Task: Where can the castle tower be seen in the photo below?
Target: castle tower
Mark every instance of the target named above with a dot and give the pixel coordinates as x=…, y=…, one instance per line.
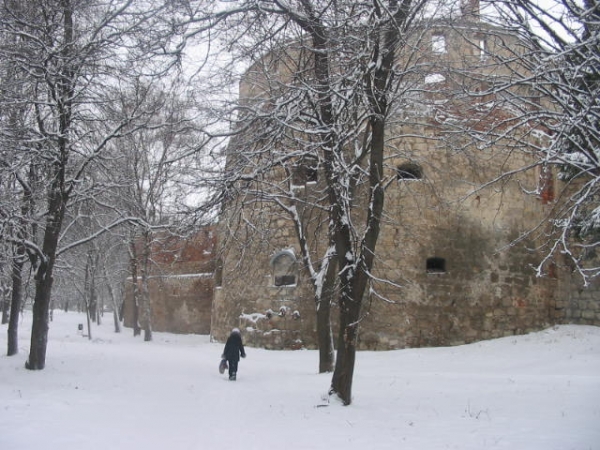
x=443, y=274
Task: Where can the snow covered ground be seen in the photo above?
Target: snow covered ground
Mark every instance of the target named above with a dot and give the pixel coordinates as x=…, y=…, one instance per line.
x=534, y=392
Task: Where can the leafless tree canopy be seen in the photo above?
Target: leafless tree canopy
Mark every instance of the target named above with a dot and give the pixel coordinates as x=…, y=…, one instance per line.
x=77, y=77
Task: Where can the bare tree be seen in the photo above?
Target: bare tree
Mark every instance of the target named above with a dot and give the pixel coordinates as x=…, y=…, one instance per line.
x=355, y=252
x=19, y=258
x=75, y=55
x=158, y=157
x=21, y=190
x=325, y=87
x=113, y=279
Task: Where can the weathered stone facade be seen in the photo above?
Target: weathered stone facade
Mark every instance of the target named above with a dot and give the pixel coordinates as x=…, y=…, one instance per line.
x=455, y=262
x=455, y=258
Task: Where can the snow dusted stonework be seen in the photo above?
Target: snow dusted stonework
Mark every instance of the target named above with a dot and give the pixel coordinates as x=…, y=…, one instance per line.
x=453, y=250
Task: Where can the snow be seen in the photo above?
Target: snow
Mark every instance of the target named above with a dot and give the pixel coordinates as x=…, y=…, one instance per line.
x=434, y=78
x=535, y=392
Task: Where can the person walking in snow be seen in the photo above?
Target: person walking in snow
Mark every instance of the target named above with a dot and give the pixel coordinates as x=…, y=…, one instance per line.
x=234, y=348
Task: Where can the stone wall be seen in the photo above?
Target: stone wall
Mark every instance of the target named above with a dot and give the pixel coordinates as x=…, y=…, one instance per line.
x=454, y=261
x=180, y=304
x=270, y=316
x=578, y=304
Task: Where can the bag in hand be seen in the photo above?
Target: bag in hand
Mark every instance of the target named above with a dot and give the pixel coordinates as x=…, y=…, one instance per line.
x=223, y=366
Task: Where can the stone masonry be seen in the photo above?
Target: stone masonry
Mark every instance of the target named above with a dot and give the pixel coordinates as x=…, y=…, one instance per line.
x=455, y=263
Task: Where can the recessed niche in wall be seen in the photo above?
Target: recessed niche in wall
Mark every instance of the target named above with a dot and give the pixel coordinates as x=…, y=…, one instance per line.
x=436, y=265
x=409, y=171
x=284, y=268
x=306, y=171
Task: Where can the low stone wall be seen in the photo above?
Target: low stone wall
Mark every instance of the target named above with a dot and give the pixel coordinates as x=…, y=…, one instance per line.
x=578, y=304
x=179, y=303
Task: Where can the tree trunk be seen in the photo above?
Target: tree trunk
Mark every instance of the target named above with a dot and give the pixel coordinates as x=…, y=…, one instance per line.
x=354, y=285
x=39, y=328
x=88, y=320
x=355, y=275
x=18, y=262
x=343, y=375
x=5, y=306
x=58, y=196
x=57, y=204
x=113, y=299
x=325, y=336
x=90, y=286
x=15, y=304
x=116, y=321
x=146, y=310
x=135, y=289
x=87, y=298
x=324, y=331
x=44, y=279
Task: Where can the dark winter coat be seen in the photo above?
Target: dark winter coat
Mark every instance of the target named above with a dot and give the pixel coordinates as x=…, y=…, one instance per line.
x=234, y=347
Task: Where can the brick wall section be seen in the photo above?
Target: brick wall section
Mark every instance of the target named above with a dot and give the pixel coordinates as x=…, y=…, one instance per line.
x=181, y=284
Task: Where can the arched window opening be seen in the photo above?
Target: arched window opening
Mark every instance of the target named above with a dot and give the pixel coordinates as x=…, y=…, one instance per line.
x=409, y=171
x=436, y=265
x=284, y=269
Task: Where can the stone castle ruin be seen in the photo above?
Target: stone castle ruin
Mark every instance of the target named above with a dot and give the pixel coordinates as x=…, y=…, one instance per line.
x=455, y=262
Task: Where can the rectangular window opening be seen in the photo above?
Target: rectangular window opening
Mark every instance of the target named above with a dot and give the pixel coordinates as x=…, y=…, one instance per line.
x=436, y=265
x=482, y=50
x=285, y=280
x=438, y=43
